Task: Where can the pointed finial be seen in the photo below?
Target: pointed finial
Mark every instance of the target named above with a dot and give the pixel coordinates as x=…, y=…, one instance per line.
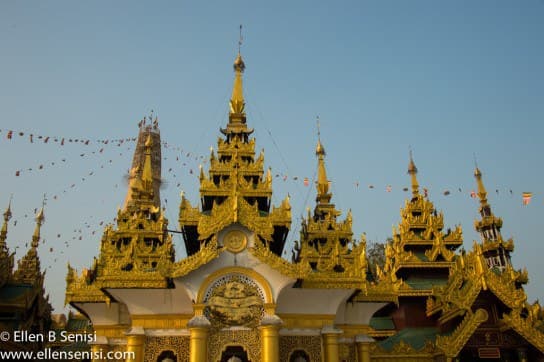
x=319, y=150
x=4, y=231
x=39, y=221
x=237, y=102
x=147, y=173
x=482, y=193
x=7, y=213
x=322, y=183
x=412, y=171
x=201, y=175
x=239, y=65
x=240, y=40
x=40, y=217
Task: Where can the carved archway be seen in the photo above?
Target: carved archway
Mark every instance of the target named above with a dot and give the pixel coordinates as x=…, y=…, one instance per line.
x=299, y=355
x=258, y=278
x=167, y=356
x=248, y=339
x=234, y=353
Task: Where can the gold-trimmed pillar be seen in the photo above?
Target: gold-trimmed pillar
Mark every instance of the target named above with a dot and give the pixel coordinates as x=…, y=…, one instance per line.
x=270, y=338
x=135, y=344
x=363, y=347
x=330, y=343
x=199, y=327
x=99, y=348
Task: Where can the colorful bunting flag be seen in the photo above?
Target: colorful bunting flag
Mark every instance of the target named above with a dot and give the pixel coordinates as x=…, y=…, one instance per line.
x=527, y=198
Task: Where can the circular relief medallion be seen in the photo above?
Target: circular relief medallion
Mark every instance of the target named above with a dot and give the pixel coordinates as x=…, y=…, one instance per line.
x=235, y=241
x=234, y=300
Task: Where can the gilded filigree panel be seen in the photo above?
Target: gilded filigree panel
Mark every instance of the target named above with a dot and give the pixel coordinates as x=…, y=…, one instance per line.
x=310, y=344
x=234, y=300
x=248, y=339
x=154, y=346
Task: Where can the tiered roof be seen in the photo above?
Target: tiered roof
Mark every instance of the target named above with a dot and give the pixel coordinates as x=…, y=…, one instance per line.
x=326, y=243
x=420, y=253
x=483, y=272
x=133, y=251
x=236, y=188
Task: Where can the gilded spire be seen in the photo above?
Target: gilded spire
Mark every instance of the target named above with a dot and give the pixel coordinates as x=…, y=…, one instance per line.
x=29, y=270
x=236, y=128
x=326, y=244
x=482, y=193
x=412, y=171
x=39, y=221
x=489, y=226
x=147, y=173
x=322, y=185
x=6, y=260
x=237, y=103
x=4, y=231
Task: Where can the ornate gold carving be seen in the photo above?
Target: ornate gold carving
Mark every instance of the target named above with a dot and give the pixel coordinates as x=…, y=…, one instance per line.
x=347, y=352
x=80, y=289
x=470, y=274
x=527, y=327
x=225, y=273
x=293, y=270
x=234, y=303
x=452, y=344
x=154, y=346
x=402, y=351
x=249, y=339
x=236, y=209
x=326, y=243
x=207, y=253
x=418, y=242
x=235, y=241
x=309, y=344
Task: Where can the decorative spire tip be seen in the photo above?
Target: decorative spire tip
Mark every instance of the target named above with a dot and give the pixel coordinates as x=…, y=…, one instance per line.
x=319, y=150
x=239, y=64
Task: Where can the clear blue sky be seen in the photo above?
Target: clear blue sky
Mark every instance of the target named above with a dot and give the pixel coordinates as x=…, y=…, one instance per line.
x=447, y=78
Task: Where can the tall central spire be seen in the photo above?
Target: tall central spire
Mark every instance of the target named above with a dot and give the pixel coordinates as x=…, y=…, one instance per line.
x=4, y=231
x=6, y=259
x=322, y=185
x=145, y=173
x=29, y=270
x=237, y=115
x=39, y=221
x=237, y=103
x=482, y=193
x=412, y=171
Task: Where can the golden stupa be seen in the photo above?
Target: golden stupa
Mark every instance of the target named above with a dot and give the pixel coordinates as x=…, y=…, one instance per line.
x=234, y=298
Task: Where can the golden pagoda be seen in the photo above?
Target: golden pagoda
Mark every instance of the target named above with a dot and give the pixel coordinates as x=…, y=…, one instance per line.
x=483, y=309
x=234, y=298
x=420, y=254
x=24, y=306
x=326, y=244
